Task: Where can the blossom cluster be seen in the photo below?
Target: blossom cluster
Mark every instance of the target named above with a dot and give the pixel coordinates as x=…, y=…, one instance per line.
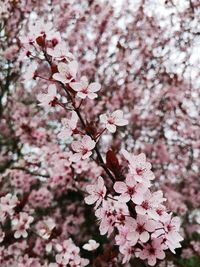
x=143, y=226
x=143, y=56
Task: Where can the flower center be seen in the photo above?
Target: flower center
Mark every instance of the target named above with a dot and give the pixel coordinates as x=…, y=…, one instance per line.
x=152, y=251
x=111, y=120
x=53, y=103
x=84, y=90
x=140, y=171
x=145, y=205
x=140, y=228
x=131, y=190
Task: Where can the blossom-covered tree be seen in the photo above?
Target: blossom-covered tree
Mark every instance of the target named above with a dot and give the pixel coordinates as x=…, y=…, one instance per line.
x=99, y=133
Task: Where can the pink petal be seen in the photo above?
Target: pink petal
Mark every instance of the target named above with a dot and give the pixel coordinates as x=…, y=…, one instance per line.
x=111, y=128
x=52, y=90
x=94, y=87
x=91, y=199
x=124, y=197
x=76, y=86
x=92, y=95
x=120, y=187
x=144, y=237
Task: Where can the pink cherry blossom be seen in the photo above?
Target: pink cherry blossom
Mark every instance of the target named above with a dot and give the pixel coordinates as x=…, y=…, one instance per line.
x=170, y=232
x=112, y=120
x=91, y=245
x=69, y=254
x=7, y=205
x=30, y=72
x=143, y=227
x=84, y=89
x=97, y=192
x=69, y=126
x=153, y=251
x=127, y=251
x=150, y=203
x=83, y=148
x=21, y=224
x=66, y=72
x=60, y=52
x=125, y=231
x=139, y=167
x=106, y=216
x=42, y=28
x=130, y=190
x=48, y=100
x=46, y=228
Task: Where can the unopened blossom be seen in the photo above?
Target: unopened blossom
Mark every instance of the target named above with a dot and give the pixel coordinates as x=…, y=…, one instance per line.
x=83, y=148
x=50, y=99
x=130, y=190
x=84, y=89
x=69, y=126
x=153, y=251
x=112, y=120
x=60, y=52
x=21, y=223
x=96, y=192
x=66, y=72
x=91, y=245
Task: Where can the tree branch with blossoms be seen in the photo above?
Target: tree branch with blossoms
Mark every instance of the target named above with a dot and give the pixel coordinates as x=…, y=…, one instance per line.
x=128, y=207
x=99, y=133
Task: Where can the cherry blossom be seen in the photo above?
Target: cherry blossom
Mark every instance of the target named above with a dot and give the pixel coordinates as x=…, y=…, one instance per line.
x=143, y=226
x=46, y=228
x=69, y=126
x=97, y=192
x=170, y=232
x=7, y=205
x=41, y=28
x=69, y=254
x=60, y=52
x=139, y=167
x=31, y=72
x=66, y=72
x=112, y=120
x=127, y=251
x=82, y=148
x=124, y=236
x=21, y=224
x=150, y=204
x=84, y=89
x=130, y=190
x=153, y=251
x=91, y=245
x=50, y=99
